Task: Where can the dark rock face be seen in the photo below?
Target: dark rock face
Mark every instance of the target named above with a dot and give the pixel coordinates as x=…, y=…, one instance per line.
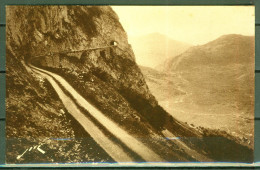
x=107, y=76
x=50, y=29
x=114, y=82
x=58, y=28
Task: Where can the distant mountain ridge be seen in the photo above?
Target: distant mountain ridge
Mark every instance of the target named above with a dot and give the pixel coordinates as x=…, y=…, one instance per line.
x=108, y=80
x=227, y=49
x=213, y=82
x=155, y=48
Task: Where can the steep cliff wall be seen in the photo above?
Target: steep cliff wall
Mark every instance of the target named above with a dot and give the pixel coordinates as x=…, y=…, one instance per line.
x=112, y=80
x=61, y=28
x=108, y=77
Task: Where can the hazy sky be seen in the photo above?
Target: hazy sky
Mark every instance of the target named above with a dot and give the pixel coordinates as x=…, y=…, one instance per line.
x=192, y=24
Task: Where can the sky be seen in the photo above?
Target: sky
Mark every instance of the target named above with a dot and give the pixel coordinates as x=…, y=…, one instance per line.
x=196, y=25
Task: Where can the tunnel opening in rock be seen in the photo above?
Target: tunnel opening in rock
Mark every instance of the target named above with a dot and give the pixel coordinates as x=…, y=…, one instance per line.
x=114, y=43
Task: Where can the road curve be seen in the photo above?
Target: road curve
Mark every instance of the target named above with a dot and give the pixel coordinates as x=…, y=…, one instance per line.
x=116, y=152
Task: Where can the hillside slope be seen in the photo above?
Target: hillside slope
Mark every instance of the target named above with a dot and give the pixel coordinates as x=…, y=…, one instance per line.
x=226, y=50
x=211, y=85
x=106, y=76
x=112, y=82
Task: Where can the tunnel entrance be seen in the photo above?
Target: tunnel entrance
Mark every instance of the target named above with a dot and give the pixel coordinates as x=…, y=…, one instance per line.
x=114, y=43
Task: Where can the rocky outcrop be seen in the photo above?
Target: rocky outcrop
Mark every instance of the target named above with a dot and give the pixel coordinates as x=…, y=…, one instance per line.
x=112, y=80
x=49, y=29
x=107, y=76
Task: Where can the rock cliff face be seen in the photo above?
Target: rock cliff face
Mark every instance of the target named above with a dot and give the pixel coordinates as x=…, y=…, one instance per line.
x=111, y=79
x=67, y=28
x=107, y=76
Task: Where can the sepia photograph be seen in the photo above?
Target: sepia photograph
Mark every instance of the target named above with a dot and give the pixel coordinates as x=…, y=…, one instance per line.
x=129, y=84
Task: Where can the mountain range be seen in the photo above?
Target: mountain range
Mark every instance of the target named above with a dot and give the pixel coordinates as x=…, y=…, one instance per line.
x=155, y=48
x=211, y=85
x=73, y=88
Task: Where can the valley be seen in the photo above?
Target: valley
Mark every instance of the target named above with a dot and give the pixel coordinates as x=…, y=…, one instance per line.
x=201, y=89
x=74, y=88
